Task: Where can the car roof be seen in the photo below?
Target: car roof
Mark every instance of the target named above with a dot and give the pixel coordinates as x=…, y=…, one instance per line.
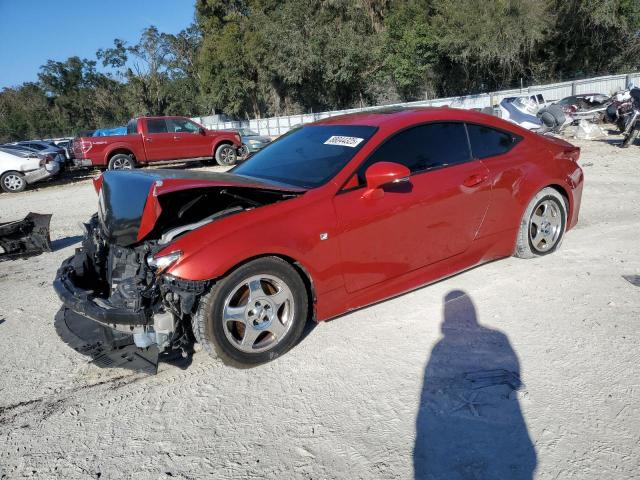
x=391, y=116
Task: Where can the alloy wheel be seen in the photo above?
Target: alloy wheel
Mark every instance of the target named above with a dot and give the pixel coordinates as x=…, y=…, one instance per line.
x=545, y=226
x=13, y=182
x=258, y=313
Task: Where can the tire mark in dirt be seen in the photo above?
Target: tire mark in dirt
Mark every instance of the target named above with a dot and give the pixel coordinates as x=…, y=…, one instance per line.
x=44, y=407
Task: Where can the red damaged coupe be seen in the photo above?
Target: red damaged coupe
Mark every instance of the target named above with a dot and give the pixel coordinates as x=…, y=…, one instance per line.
x=332, y=216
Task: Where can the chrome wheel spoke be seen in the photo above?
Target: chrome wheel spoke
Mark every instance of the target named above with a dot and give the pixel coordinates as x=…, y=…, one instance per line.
x=277, y=328
x=250, y=336
x=537, y=219
x=279, y=298
x=234, y=314
x=255, y=290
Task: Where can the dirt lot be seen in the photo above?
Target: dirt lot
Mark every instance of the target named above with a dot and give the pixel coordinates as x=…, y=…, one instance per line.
x=381, y=393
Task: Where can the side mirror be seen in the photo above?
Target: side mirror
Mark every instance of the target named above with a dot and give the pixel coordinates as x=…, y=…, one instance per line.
x=202, y=131
x=384, y=173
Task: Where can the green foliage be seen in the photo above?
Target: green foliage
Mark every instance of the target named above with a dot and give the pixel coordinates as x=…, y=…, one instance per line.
x=254, y=58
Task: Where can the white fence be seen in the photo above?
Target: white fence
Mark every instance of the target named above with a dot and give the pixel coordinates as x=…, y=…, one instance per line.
x=275, y=126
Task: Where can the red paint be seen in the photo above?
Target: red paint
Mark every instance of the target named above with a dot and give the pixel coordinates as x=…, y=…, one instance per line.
x=406, y=234
x=153, y=147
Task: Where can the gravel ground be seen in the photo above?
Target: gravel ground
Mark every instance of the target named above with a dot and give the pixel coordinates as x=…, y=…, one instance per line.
x=418, y=385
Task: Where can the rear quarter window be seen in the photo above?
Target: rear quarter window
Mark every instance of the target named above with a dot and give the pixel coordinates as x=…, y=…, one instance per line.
x=156, y=125
x=489, y=142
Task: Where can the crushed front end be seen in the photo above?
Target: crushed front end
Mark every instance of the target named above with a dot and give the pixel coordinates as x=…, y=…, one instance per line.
x=119, y=304
x=123, y=310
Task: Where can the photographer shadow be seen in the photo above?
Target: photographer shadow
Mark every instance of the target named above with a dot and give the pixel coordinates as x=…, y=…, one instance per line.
x=470, y=424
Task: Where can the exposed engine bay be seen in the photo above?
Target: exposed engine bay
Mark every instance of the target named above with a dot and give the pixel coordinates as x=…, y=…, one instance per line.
x=113, y=281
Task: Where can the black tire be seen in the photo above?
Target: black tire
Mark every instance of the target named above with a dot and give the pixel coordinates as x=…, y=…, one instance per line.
x=207, y=323
x=243, y=151
x=557, y=113
x=226, y=155
x=629, y=139
x=121, y=161
x=13, y=182
x=548, y=119
x=525, y=246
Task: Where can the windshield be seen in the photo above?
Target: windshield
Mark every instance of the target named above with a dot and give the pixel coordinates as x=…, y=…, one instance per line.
x=308, y=156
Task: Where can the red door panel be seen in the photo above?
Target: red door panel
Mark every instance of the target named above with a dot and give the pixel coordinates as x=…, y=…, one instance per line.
x=188, y=139
x=434, y=217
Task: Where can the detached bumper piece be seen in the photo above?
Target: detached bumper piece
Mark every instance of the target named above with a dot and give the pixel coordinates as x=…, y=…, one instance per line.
x=105, y=347
x=83, y=302
x=25, y=238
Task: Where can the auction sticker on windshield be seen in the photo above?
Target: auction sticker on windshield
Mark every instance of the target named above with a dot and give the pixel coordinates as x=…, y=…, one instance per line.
x=344, y=141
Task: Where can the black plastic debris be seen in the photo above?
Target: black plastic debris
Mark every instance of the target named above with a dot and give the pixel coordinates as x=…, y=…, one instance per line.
x=105, y=347
x=632, y=279
x=25, y=238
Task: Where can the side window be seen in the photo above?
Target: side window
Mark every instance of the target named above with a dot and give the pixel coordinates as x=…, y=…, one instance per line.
x=156, y=125
x=489, y=142
x=422, y=148
x=179, y=125
x=132, y=127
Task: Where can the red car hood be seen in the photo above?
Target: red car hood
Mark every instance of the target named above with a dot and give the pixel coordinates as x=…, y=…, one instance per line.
x=130, y=201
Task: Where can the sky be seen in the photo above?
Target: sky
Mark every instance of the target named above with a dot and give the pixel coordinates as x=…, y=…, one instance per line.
x=34, y=31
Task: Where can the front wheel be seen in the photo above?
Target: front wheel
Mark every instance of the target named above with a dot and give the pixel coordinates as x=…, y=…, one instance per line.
x=226, y=155
x=543, y=224
x=13, y=182
x=254, y=314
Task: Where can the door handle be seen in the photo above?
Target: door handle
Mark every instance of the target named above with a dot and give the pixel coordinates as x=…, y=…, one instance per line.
x=175, y=137
x=474, y=180
x=148, y=139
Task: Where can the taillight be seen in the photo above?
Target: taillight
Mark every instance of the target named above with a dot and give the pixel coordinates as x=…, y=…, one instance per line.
x=97, y=182
x=46, y=158
x=84, y=145
x=572, y=154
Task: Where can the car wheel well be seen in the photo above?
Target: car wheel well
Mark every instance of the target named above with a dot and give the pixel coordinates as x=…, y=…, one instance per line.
x=565, y=196
x=220, y=143
x=119, y=151
x=304, y=275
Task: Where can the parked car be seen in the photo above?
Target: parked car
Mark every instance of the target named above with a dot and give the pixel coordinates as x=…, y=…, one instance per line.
x=19, y=168
x=328, y=218
x=251, y=142
x=41, y=147
x=65, y=144
x=157, y=139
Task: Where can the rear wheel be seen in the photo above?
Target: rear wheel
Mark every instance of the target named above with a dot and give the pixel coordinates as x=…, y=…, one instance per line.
x=13, y=182
x=543, y=224
x=226, y=155
x=254, y=314
x=121, y=161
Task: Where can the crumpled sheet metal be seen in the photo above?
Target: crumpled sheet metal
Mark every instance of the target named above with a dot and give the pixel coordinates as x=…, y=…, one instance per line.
x=26, y=237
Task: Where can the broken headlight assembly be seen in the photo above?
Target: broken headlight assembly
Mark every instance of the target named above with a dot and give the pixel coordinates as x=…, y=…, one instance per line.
x=160, y=263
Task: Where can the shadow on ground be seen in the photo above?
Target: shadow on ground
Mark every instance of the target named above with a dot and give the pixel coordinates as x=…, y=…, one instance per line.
x=65, y=242
x=469, y=424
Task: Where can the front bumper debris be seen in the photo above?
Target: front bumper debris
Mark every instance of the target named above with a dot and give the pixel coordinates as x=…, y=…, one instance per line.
x=117, y=311
x=84, y=302
x=105, y=347
x=24, y=238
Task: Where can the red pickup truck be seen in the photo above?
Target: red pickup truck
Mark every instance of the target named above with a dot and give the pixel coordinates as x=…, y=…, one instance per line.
x=157, y=139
